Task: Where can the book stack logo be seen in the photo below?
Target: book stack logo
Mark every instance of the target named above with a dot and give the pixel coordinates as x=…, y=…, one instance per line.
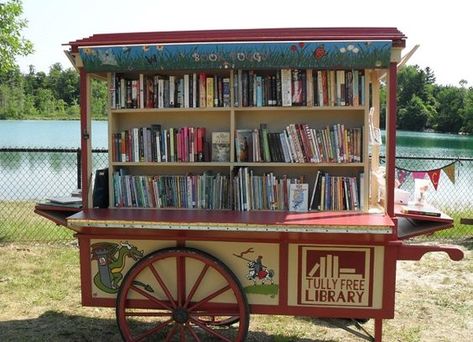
x=335, y=276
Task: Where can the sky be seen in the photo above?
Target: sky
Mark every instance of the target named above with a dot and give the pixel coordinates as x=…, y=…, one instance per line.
x=441, y=28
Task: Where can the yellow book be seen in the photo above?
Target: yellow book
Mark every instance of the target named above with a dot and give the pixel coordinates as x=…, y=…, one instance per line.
x=210, y=92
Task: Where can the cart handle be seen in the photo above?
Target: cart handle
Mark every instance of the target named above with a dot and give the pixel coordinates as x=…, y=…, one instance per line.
x=416, y=252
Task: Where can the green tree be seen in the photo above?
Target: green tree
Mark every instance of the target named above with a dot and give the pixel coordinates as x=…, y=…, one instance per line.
x=416, y=99
x=63, y=83
x=99, y=99
x=450, y=109
x=468, y=112
x=414, y=116
x=12, y=43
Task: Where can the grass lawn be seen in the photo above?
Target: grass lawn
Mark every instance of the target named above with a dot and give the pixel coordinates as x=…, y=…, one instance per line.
x=18, y=222
x=40, y=301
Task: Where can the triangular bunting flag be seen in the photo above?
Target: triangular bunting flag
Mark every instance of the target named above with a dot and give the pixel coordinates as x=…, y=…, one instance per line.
x=402, y=176
x=418, y=174
x=450, y=172
x=434, y=177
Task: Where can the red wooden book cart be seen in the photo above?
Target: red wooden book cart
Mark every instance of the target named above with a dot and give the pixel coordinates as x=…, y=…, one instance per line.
x=197, y=268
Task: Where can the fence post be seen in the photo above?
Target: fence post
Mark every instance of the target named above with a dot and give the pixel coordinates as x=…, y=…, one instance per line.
x=79, y=167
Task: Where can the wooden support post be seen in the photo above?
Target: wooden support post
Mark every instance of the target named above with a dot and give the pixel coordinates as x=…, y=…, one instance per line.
x=375, y=148
x=85, y=134
x=391, y=137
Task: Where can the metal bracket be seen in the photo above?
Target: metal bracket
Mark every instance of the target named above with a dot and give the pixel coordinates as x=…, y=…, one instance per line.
x=344, y=323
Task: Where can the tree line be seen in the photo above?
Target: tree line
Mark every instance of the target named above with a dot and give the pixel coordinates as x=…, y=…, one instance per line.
x=422, y=104
x=52, y=95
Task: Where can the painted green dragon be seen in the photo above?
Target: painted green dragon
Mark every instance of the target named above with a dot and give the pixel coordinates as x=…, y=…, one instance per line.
x=111, y=260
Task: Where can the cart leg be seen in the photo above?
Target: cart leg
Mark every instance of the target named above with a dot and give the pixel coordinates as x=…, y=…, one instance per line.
x=378, y=330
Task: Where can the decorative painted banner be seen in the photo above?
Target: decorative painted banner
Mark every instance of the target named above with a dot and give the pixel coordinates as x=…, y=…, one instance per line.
x=335, y=276
x=250, y=56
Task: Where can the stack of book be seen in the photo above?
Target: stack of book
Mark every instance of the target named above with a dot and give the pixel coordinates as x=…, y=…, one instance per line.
x=206, y=191
x=158, y=144
x=299, y=143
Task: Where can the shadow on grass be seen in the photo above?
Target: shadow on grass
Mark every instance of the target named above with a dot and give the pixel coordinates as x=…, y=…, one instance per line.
x=467, y=243
x=57, y=326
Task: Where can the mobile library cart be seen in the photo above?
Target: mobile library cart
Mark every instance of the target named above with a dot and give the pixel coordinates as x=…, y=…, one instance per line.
x=275, y=215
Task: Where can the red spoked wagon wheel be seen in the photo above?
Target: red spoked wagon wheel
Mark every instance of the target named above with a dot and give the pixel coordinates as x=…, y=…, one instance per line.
x=181, y=294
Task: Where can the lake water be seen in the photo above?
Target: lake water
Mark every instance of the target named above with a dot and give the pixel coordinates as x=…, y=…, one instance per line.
x=32, y=176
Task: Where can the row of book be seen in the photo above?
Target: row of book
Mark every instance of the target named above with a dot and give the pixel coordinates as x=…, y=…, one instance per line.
x=206, y=191
x=333, y=193
x=158, y=144
x=299, y=143
x=156, y=91
x=285, y=87
x=266, y=192
x=299, y=87
x=244, y=192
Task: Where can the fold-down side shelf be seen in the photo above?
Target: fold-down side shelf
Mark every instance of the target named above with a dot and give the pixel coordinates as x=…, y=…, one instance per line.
x=410, y=225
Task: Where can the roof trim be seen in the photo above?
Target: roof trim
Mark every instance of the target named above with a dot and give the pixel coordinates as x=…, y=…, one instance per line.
x=272, y=34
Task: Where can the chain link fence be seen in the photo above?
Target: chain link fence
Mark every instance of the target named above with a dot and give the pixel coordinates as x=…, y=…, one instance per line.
x=31, y=175
x=28, y=176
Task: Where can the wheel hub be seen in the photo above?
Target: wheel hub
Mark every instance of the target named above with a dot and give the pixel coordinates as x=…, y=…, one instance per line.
x=180, y=315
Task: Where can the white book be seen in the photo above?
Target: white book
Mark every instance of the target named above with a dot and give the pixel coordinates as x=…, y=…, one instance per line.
x=194, y=90
x=314, y=189
x=161, y=93
x=320, y=89
x=332, y=79
x=122, y=93
x=298, y=197
x=309, y=88
x=286, y=89
x=172, y=90
x=186, y=91
x=136, y=145
x=112, y=91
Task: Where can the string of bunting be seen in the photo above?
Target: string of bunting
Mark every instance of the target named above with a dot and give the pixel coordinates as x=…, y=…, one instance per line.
x=434, y=174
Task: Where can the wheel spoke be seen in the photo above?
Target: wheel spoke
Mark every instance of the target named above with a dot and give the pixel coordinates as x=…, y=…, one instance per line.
x=210, y=330
x=192, y=332
x=171, y=332
x=150, y=297
x=163, y=285
x=150, y=332
x=196, y=285
x=210, y=297
x=182, y=333
x=181, y=280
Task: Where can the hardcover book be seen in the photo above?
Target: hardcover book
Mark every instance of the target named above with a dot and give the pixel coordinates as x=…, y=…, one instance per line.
x=220, y=146
x=425, y=209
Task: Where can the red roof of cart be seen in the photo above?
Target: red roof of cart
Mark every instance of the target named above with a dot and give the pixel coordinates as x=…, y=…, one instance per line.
x=273, y=34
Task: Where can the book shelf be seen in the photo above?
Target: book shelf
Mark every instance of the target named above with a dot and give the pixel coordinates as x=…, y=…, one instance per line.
x=132, y=165
x=295, y=110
